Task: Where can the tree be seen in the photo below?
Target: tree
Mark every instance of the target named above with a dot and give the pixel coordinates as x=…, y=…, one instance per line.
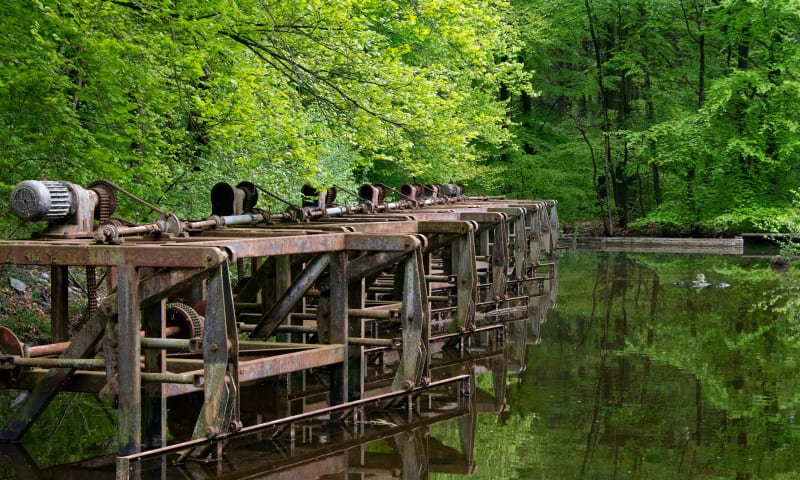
x=682, y=111
x=173, y=96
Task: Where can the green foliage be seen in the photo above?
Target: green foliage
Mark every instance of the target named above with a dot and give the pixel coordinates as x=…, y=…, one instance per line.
x=701, y=100
x=560, y=174
x=681, y=113
x=166, y=98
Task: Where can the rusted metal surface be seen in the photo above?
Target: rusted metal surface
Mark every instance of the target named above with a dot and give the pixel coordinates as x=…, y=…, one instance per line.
x=248, y=457
x=396, y=280
x=87, y=253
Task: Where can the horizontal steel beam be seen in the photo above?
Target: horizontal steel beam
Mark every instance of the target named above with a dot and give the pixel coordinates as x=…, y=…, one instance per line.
x=86, y=253
x=261, y=368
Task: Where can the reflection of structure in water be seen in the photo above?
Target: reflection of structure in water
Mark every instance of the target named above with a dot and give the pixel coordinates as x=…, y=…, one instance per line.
x=344, y=303
x=384, y=438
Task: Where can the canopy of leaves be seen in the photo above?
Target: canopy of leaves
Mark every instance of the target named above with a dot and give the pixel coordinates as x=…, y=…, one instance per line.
x=169, y=97
x=700, y=99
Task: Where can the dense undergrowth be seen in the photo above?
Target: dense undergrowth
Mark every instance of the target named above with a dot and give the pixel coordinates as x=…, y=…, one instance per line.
x=25, y=302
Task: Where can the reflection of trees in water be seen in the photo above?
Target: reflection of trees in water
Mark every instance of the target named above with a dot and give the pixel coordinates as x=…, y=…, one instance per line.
x=695, y=375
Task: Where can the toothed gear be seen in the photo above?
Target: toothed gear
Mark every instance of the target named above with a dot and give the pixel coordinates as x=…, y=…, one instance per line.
x=106, y=199
x=250, y=197
x=184, y=316
x=330, y=197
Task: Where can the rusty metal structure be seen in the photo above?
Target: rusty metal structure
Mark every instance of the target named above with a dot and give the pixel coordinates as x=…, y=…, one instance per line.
x=366, y=297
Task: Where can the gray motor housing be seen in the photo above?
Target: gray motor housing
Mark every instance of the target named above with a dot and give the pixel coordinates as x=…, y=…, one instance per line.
x=68, y=208
x=35, y=200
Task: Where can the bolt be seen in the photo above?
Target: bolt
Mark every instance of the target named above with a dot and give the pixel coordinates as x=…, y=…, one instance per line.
x=214, y=347
x=407, y=385
x=235, y=426
x=211, y=431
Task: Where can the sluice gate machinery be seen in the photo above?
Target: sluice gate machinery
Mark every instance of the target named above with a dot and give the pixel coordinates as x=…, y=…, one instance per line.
x=362, y=295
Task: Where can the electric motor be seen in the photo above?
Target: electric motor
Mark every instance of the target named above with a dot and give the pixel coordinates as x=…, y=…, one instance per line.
x=36, y=200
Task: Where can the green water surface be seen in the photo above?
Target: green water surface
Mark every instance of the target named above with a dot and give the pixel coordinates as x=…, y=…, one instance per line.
x=639, y=375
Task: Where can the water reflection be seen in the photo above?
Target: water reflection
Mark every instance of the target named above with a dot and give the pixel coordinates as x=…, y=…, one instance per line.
x=647, y=378
x=630, y=376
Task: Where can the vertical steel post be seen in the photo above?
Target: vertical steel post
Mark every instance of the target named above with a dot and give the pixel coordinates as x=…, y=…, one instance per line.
x=547, y=243
x=215, y=354
x=233, y=413
x=554, y=225
x=521, y=249
x=221, y=402
x=415, y=323
x=129, y=430
x=281, y=283
x=467, y=426
x=534, y=228
x=283, y=274
x=464, y=268
x=500, y=260
x=332, y=323
x=413, y=450
x=59, y=306
x=357, y=369
x=154, y=403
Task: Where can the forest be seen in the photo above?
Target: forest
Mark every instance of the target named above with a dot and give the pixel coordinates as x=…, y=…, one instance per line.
x=663, y=116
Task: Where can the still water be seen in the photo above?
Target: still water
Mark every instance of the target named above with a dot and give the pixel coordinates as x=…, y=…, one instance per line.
x=632, y=366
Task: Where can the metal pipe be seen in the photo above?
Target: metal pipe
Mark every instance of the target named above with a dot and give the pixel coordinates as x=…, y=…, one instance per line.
x=341, y=210
x=245, y=327
x=248, y=326
x=201, y=224
x=248, y=307
x=296, y=329
x=184, y=378
x=373, y=342
x=380, y=289
x=371, y=313
x=438, y=278
x=45, y=350
x=78, y=363
x=61, y=347
x=192, y=345
x=243, y=219
x=148, y=228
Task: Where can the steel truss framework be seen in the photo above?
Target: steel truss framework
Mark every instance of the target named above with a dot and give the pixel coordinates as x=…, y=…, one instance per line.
x=215, y=305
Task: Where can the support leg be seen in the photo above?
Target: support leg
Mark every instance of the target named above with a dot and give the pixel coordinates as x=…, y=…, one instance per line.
x=59, y=306
x=154, y=404
x=129, y=430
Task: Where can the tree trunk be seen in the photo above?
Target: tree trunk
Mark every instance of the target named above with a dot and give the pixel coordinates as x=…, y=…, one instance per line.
x=701, y=47
x=650, y=115
x=606, y=119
